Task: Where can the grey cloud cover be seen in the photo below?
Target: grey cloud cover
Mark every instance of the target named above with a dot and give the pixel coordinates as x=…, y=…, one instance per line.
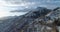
x=21, y=4
x=35, y=2
x=11, y=5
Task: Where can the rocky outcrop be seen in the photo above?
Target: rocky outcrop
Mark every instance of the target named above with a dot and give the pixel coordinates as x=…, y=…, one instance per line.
x=51, y=20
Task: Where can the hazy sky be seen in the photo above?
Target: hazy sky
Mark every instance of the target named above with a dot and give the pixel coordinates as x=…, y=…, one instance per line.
x=10, y=5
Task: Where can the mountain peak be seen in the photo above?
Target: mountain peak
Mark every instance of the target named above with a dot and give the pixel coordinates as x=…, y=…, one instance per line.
x=57, y=8
x=39, y=11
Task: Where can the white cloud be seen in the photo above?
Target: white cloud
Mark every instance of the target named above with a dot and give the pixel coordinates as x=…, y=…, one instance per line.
x=3, y=13
x=2, y=3
x=11, y=3
x=6, y=13
x=5, y=7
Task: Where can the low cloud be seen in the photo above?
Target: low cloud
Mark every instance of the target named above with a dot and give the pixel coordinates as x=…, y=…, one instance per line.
x=21, y=4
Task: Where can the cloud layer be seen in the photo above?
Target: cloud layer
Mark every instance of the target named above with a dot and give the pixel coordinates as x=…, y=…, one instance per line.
x=33, y=3
x=9, y=5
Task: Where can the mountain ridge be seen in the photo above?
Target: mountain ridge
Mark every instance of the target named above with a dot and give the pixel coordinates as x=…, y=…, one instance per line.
x=39, y=15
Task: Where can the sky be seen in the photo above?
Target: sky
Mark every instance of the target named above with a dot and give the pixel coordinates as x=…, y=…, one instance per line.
x=9, y=5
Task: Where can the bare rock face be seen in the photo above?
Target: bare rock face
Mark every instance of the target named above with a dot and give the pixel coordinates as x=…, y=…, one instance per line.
x=51, y=20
